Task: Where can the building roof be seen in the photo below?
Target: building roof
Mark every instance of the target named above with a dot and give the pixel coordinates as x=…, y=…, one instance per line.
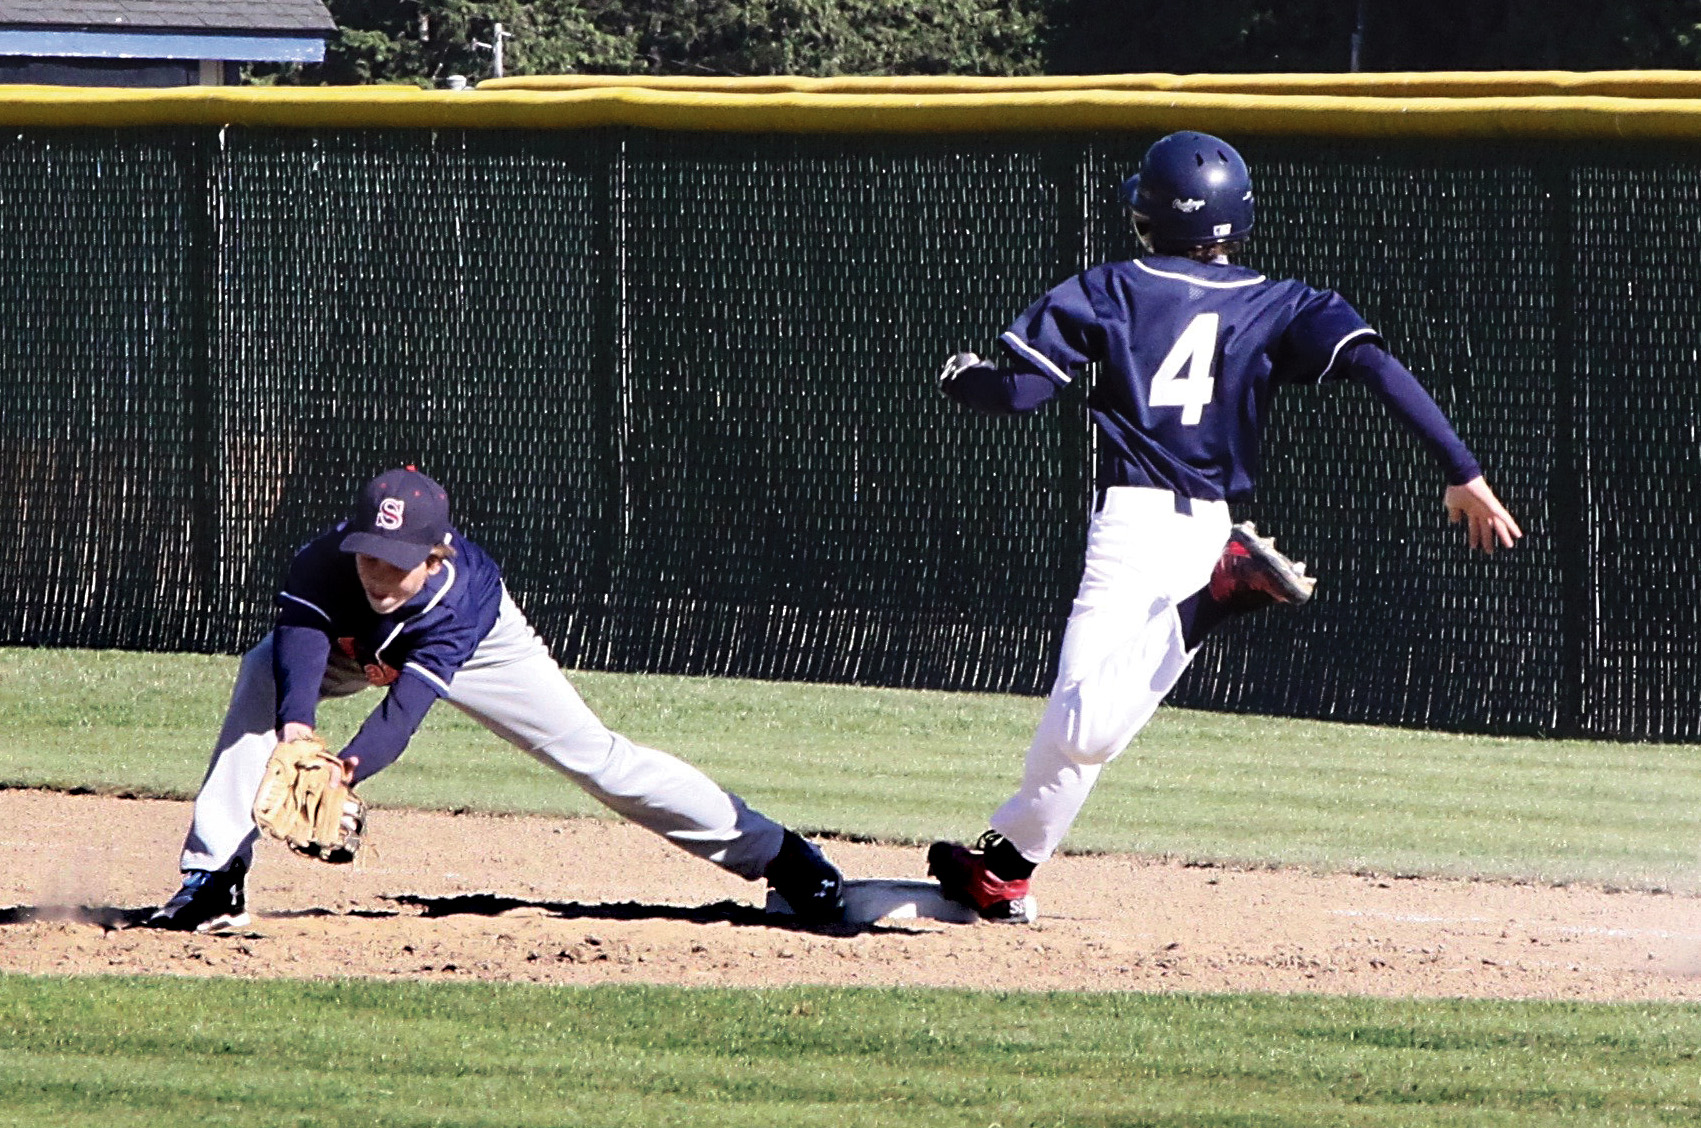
x=243, y=17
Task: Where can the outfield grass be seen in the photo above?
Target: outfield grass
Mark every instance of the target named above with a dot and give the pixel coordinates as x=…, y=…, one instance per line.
x=908, y=766
x=145, y=1052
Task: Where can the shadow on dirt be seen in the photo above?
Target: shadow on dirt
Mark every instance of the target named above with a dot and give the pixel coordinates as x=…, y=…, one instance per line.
x=492, y=904
x=111, y=918
x=720, y=912
x=309, y=914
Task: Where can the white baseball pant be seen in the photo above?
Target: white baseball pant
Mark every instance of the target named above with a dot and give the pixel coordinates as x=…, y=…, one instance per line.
x=512, y=687
x=1122, y=653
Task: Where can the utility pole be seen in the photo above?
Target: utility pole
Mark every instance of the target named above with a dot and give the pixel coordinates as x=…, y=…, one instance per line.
x=497, y=34
x=1358, y=36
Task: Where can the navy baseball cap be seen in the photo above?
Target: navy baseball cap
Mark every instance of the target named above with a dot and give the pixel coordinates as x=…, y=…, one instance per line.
x=399, y=517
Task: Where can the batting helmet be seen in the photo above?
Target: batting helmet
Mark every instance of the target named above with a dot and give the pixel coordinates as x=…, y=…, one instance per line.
x=1192, y=190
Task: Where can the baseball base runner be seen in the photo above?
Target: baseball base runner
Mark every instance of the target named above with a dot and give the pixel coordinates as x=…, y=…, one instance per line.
x=1190, y=348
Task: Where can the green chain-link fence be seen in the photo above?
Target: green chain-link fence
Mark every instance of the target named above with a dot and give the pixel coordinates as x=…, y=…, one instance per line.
x=681, y=385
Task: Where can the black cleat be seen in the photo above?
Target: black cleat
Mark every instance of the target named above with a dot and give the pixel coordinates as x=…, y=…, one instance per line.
x=806, y=881
x=210, y=901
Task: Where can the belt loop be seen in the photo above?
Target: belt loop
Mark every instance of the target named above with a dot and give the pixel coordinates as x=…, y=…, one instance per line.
x=1099, y=496
x=1183, y=505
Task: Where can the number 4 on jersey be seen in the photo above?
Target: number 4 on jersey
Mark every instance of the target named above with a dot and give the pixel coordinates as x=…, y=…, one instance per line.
x=1195, y=350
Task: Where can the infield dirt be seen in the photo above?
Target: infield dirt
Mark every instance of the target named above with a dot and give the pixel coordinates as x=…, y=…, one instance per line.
x=474, y=897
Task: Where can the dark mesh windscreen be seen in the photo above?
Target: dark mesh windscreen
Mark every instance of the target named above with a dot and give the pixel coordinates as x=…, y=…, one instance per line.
x=802, y=502
x=438, y=299
x=104, y=528
x=1637, y=376
x=1452, y=258
x=682, y=386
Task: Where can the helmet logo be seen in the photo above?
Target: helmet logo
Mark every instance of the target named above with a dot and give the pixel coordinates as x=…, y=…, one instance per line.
x=1187, y=205
x=1223, y=229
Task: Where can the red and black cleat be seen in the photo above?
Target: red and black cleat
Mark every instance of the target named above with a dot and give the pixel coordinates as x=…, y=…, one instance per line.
x=1251, y=574
x=964, y=878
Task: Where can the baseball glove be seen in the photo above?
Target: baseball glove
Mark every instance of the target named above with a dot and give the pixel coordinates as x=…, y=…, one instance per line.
x=305, y=800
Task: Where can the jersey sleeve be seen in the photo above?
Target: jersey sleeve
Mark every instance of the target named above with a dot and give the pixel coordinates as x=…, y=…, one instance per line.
x=301, y=641
x=1322, y=328
x=384, y=735
x=1407, y=401
x=1001, y=391
x=428, y=665
x=438, y=656
x=1059, y=334
x=299, y=656
x=299, y=605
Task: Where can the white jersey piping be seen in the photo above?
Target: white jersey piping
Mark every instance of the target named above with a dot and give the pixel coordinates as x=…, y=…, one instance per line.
x=304, y=603
x=1038, y=358
x=1341, y=344
x=427, y=675
x=378, y=654
x=1188, y=278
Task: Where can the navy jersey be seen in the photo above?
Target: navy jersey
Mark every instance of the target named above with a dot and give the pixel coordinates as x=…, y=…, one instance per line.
x=1190, y=355
x=414, y=650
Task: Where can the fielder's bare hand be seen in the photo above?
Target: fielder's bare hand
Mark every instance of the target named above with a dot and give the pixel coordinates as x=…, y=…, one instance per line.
x=1488, y=525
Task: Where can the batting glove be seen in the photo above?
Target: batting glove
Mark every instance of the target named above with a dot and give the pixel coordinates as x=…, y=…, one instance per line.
x=957, y=364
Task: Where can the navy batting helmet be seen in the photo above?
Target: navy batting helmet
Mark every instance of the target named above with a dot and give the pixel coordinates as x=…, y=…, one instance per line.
x=1192, y=190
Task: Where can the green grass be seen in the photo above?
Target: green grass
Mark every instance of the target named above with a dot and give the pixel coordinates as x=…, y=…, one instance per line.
x=896, y=765
x=910, y=766
x=907, y=766
x=134, y=1052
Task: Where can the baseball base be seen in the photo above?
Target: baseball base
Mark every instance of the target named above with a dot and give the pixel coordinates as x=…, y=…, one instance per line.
x=878, y=899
